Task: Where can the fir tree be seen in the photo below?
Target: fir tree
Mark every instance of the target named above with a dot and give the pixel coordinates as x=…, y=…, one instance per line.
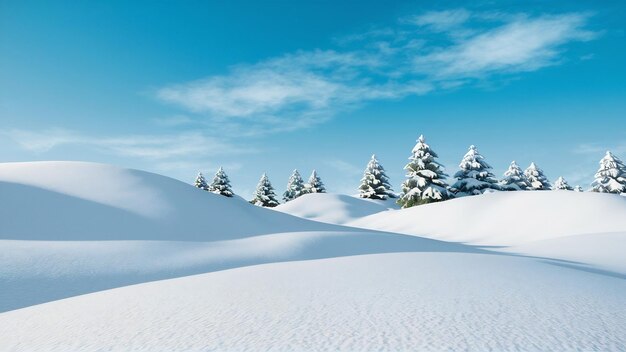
x=514, y=179
x=201, y=182
x=561, y=184
x=221, y=184
x=611, y=176
x=295, y=187
x=375, y=183
x=425, y=181
x=264, y=195
x=578, y=188
x=315, y=184
x=536, y=179
x=475, y=176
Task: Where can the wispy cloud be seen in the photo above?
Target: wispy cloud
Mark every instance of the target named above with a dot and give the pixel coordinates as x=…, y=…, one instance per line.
x=305, y=88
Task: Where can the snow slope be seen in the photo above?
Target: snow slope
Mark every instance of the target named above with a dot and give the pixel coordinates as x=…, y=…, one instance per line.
x=383, y=302
x=88, y=201
x=506, y=218
x=334, y=208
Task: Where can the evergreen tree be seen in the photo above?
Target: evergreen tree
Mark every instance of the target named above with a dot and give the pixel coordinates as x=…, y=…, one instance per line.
x=425, y=181
x=201, y=182
x=221, y=184
x=264, y=195
x=315, y=184
x=475, y=176
x=578, y=188
x=375, y=183
x=536, y=179
x=611, y=176
x=514, y=179
x=295, y=187
x=561, y=184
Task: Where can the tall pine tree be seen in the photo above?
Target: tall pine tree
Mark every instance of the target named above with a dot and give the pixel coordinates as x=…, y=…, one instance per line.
x=200, y=182
x=425, y=181
x=315, y=184
x=514, y=179
x=264, y=195
x=536, y=179
x=561, y=184
x=611, y=176
x=475, y=176
x=221, y=184
x=295, y=187
x=375, y=183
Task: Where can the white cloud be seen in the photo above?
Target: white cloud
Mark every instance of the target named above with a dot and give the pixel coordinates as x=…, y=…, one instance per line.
x=441, y=20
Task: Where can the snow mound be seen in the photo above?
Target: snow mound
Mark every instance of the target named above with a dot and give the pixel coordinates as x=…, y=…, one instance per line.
x=506, y=218
x=383, y=302
x=88, y=201
x=334, y=208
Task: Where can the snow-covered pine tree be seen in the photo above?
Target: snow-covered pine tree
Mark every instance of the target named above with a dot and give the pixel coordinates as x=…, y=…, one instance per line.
x=295, y=187
x=201, y=182
x=536, y=179
x=561, y=184
x=578, y=188
x=221, y=184
x=375, y=183
x=514, y=179
x=475, y=176
x=315, y=184
x=425, y=181
x=611, y=176
x=264, y=195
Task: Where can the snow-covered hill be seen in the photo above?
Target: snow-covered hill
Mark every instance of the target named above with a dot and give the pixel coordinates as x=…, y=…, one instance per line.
x=383, y=302
x=334, y=208
x=507, y=218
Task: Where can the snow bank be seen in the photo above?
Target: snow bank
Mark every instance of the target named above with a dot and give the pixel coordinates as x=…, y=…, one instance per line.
x=384, y=302
x=506, y=218
x=87, y=201
x=334, y=208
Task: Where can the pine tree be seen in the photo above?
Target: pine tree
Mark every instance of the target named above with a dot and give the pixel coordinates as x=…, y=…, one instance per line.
x=536, y=179
x=221, y=184
x=475, y=176
x=375, y=183
x=315, y=184
x=561, y=184
x=201, y=182
x=578, y=188
x=295, y=187
x=611, y=176
x=425, y=181
x=514, y=179
x=264, y=195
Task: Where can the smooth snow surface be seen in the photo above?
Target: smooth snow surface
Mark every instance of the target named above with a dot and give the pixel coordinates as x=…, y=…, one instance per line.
x=334, y=208
x=506, y=218
x=387, y=302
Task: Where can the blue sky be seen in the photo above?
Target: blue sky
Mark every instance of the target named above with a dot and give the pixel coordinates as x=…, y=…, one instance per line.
x=178, y=87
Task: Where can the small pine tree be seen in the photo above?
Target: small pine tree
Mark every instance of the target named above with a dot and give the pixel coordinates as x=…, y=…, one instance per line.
x=514, y=179
x=221, y=184
x=611, y=176
x=425, y=181
x=295, y=187
x=264, y=195
x=315, y=184
x=375, y=183
x=561, y=184
x=536, y=179
x=201, y=182
x=475, y=176
x=578, y=188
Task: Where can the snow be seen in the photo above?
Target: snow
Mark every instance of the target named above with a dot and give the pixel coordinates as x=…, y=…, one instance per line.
x=96, y=257
x=383, y=302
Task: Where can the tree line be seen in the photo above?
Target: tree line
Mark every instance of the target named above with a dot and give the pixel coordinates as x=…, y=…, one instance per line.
x=426, y=180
